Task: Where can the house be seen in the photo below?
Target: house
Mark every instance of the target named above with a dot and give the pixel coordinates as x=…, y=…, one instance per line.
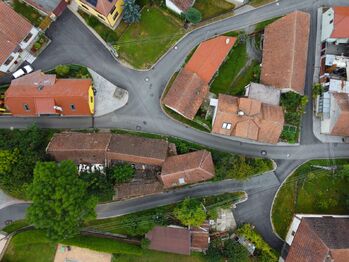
x=187, y=169
x=285, y=51
x=82, y=148
x=174, y=239
x=191, y=86
x=50, y=8
x=39, y=94
x=108, y=12
x=334, y=25
x=247, y=118
x=17, y=36
x=179, y=6
x=263, y=93
x=313, y=238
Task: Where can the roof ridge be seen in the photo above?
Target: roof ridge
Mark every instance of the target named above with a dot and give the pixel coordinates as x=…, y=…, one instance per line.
x=294, y=43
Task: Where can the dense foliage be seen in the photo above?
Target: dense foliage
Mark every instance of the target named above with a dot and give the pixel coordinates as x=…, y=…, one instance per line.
x=230, y=250
x=60, y=200
x=132, y=13
x=193, y=15
x=121, y=173
x=190, y=212
x=62, y=70
x=19, y=151
x=98, y=185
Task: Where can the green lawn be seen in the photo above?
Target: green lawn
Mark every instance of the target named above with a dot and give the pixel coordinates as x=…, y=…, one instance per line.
x=154, y=256
x=28, y=12
x=257, y=3
x=15, y=226
x=30, y=246
x=142, y=44
x=212, y=8
x=310, y=190
x=229, y=70
x=250, y=74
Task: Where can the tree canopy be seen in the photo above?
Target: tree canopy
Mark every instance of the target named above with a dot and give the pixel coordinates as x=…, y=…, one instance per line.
x=193, y=15
x=121, y=173
x=60, y=200
x=190, y=212
x=131, y=11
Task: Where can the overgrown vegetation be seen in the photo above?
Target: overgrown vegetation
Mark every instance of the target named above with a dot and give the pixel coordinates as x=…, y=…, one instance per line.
x=121, y=173
x=312, y=190
x=28, y=12
x=98, y=185
x=190, y=212
x=228, y=250
x=70, y=71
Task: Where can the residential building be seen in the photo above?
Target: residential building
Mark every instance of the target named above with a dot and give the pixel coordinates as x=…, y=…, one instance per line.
x=285, y=51
x=263, y=93
x=108, y=12
x=179, y=6
x=188, y=168
x=191, y=86
x=39, y=94
x=313, y=238
x=334, y=25
x=247, y=118
x=50, y=8
x=17, y=36
x=174, y=239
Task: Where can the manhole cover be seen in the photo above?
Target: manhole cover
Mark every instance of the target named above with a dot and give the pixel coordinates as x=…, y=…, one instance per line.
x=138, y=127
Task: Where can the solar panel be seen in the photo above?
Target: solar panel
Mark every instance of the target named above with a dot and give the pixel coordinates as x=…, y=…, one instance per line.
x=92, y=2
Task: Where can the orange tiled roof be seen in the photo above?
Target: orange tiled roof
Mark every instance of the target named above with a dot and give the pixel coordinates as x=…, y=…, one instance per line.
x=209, y=56
x=13, y=29
x=186, y=94
x=103, y=6
x=285, y=52
x=248, y=118
x=341, y=22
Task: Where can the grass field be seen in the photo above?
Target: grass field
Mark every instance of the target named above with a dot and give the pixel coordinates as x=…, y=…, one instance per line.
x=143, y=43
x=212, y=8
x=154, y=256
x=310, y=190
x=250, y=74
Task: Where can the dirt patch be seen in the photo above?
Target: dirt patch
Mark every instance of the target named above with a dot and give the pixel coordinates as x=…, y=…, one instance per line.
x=72, y=253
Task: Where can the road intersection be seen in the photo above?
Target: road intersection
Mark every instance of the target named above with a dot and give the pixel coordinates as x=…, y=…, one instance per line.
x=73, y=43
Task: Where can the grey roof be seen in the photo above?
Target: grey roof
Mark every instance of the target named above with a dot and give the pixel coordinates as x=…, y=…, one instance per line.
x=265, y=94
x=45, y=5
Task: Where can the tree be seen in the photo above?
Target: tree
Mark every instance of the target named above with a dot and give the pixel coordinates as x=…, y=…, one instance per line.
x=121, y=173
x=7, y=160
x=60, y=200
x=98, y=185
x=131, y=11
x=62, y=70
x=234, y=251
x=190, y=212
x=193, y=15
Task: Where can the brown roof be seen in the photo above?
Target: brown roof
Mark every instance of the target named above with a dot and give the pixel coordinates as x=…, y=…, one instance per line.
x=341, y=22
x=137, y=149
x=13, y=29
x=49, y=6
x=192, y=167
x=209, y=56
x=102, y=6
x=170, y=239
x=341, y=121
x=317, y=239
x=199, y=240
x=79, y=147
x=285, y=52
x=248, y=118
x=186, y=94
x=183, y=4
x=36, y=87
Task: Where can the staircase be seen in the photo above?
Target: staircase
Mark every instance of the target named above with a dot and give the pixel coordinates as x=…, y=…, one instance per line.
x=26, y=56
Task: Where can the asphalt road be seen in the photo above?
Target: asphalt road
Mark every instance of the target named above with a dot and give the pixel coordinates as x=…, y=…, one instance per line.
x=73, y=43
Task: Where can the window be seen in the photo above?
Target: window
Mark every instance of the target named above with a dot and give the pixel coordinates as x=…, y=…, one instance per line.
x=293, y=233
x=112, y=10
x=116, y=15
x=26, y=107
x=9, y=60
x=331, y=21
x=72, y=107
x=28, y=37
x=101, y=17
x=181, y=181
x=91, y=99
x=226, y=126
x=84, y=6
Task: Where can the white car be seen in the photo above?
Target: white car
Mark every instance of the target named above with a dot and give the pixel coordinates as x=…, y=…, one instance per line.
x=23, y=71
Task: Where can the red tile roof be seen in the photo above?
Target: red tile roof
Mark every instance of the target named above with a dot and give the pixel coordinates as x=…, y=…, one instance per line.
x=170, y=239
x=186, y=94
x=103, y=6
x=209, y=56
x=341, y=22
x=183, y=5
x=320, y=239
x=31, y=89
x=248, y=118
x=13, y=29
x=341, y=118
x=285, y=52
x=199, y=240
x=192, y=167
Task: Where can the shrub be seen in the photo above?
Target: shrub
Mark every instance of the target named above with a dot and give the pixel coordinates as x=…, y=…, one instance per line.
x=193, y=15
x=37, y=46
x=62, y=70
x=98, y=185
x=93, y=21
x=190, y=212
x=131, y=11
x=121, y=173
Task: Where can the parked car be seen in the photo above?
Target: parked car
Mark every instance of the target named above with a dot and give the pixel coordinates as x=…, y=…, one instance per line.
x=23, y=71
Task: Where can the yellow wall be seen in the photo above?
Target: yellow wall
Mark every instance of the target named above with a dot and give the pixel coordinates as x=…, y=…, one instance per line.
x=107, y=20
x=91, y=100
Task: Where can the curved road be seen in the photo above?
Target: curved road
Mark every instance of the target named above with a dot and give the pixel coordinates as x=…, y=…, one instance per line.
x=72, y=42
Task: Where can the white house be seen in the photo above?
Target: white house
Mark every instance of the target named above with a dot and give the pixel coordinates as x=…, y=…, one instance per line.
x=335, y=21
x=179, y=6
x=16, y=37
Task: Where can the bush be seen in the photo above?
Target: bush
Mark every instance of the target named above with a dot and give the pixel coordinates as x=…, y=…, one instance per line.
x=228, y=250
x=121, y=173
x=190, y=212
x=93, y=21
x=132, y=13
x=37, y=45
x=145, y=243
x=98, y=185
x=62, y=70
x=193, y=15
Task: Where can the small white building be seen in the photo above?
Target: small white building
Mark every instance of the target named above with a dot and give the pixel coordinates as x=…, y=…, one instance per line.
x=335, y=21
x=179, y=6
